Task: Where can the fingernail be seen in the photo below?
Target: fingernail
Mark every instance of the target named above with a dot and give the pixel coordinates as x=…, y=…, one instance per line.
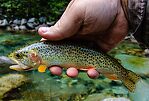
x=44, y=29
x=43, y=39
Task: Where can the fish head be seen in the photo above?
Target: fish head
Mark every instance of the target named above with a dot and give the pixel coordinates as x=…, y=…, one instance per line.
x=26, y=59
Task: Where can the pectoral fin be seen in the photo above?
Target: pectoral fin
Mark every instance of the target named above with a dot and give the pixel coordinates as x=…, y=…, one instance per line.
x=111, y=76
x=42, y=68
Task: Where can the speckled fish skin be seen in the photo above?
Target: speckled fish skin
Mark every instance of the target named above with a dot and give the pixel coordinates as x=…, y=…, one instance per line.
x=67, y=54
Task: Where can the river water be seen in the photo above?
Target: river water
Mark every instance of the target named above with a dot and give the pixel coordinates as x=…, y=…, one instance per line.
x=47, y=87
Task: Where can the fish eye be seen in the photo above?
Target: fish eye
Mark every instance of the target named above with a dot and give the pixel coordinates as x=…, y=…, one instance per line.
x=18, y=55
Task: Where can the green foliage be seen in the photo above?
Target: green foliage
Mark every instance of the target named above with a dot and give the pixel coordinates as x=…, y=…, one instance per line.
x=32, y=8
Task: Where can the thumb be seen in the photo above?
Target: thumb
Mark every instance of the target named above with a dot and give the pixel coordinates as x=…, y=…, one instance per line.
x=67, y=25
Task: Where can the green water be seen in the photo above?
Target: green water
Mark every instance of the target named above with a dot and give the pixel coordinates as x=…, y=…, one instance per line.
x=47, y=87
x=12, y=41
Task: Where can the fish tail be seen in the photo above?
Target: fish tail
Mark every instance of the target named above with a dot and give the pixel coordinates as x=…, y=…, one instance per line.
x=130, y=80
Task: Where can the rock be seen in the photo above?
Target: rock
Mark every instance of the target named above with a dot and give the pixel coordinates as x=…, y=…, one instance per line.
x=10, y=22
x=23, y=21
x=146, y=52
x=116, y=99
x=141, y=92
x=136, y=64
x=133, y=40
x=128, y=37
x=36, y=28
x=5, y=62
x=8, y=28
x=1, y=21
x=10, y=82
x=50, y=23
x=30, y=25
x=120, y=91
x=97, y=97
x=22, y=27
x=13, y=25
x=44, y=86
x=42, y=19
x=4, y=23
x=31, y=20
x=17, y=22
x=36, y=24
x=16, y=28
x=42, y=25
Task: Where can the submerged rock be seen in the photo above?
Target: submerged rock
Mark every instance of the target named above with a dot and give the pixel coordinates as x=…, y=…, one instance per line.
x=120, y=91
x=10, y=82
x=134, y=63
x=5, y=62
x=116, y=99
x=141, y=92
x=97, y=97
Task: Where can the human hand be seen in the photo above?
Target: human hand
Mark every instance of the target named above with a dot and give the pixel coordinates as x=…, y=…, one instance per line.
x=101, y=21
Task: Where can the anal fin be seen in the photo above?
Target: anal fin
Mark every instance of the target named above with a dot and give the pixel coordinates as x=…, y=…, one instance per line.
x=111, y=76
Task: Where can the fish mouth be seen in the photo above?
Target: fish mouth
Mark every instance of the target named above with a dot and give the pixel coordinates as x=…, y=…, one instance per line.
x=19, y=66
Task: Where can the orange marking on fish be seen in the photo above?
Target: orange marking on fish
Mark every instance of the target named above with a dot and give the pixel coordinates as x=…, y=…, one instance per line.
x=87, y=68
x=111, y=76
x=42, y=68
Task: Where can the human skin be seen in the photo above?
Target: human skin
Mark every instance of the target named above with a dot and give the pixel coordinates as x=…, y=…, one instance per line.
x=101, y=21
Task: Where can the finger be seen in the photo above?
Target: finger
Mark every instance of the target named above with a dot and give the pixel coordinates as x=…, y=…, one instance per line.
x=92, y=73
x=55, y=70
x=72, y=72
x=68, y=24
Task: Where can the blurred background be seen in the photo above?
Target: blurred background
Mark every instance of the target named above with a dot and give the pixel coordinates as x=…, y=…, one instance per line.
x=29, y=14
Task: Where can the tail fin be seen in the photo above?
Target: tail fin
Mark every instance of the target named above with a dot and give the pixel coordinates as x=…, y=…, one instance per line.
x=130, y=80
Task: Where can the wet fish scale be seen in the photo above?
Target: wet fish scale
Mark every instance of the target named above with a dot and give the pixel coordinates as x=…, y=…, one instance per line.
x=65, y=54
x=74, y=54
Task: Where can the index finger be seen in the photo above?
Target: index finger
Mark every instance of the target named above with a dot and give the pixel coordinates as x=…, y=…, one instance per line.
x=68, y=24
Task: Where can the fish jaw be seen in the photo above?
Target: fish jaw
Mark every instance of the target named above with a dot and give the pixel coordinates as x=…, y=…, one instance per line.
x=19, y=66
x=16, y=67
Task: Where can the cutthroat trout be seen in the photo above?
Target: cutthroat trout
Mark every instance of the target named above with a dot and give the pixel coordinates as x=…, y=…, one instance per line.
x=67, y=54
